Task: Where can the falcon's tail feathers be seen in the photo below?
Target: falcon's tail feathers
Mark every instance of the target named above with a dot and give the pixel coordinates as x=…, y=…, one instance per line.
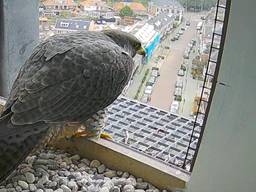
x=16, y=142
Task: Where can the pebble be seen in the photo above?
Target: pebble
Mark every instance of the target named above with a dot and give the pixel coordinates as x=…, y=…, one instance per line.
x=63, y=180
x=110, y=174
x=52, y=184
x=59, y=190
x=142, y=185
x=48, y=190
x=109, y=184
x=125, y=175
x=94, y=164
x=75, y=157
x=128, y=188
x=132, y=181
x=65, y=188
x=85, y=161
x=32, y=187
x=120, y=181
x=11, y=190
x=72, y=185
x=23, y=184
x=54, y=171
x=18, y=188
x=119, y=173
x=9, y=185
x=30, y=177
x=67, y=160
x=115, y=189
x=104, y=189
x=152, y=190
x=101, y=168
x=43, y=180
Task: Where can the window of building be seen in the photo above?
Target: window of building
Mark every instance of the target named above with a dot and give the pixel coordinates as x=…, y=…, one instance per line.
x=162, y=112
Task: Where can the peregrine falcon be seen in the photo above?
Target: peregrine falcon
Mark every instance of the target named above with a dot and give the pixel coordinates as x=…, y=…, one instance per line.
x=68, y=79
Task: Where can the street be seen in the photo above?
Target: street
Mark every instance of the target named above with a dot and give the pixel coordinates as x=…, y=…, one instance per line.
x=162, y=95
x=163, y=90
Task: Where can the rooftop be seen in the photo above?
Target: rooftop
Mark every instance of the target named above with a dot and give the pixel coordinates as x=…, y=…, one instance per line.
x=55, y=2
x=161, y=20
x=135, y=6
x=73, y=24
x=91, y=2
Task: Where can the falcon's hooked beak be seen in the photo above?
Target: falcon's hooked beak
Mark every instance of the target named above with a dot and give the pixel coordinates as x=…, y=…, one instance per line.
x=141, y=51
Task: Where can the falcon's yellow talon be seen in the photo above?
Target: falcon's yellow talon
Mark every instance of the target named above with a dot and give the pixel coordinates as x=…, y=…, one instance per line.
x=80, y=134
x=105, y=135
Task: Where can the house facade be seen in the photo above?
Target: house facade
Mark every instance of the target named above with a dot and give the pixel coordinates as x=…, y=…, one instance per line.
x=156, y=7
x=59, y=4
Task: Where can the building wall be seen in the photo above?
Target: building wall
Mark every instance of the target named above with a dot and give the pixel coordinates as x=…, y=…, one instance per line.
x=20, y=35
x=227, y=157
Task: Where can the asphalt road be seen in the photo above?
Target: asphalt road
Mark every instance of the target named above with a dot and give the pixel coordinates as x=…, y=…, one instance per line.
x=162, y=95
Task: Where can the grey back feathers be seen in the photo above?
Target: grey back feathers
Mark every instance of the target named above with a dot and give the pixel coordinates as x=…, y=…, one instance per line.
x=68, y=78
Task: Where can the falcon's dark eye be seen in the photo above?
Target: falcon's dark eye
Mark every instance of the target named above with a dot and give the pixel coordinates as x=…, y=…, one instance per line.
x=138, y=46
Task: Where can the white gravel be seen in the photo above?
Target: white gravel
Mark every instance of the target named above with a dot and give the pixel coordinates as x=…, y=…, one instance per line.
x=51, y=170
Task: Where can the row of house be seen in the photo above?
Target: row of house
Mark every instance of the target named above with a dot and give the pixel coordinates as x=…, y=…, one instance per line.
x=90, y=8
x=149, y=31
x=156, y=7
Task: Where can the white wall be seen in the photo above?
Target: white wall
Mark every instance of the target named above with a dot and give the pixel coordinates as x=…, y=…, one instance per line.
x=227, y=157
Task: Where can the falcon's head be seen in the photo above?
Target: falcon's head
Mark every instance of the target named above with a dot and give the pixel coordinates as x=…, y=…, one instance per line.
x=127, y=41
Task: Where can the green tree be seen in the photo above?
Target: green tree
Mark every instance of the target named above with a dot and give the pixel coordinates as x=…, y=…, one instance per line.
x=64, y=14
x=126, y=11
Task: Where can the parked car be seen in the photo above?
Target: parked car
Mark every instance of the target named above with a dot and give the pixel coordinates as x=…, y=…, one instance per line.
x=178, y=91
x=155, y=72
x=174, y=107
x=186, y=55
x=148, y=90
x=177, y=36
x=179, y=83
x=188, y=23
x=183, y=28
x=203, y=17
x=173, y=39
x=145, y=98
x=167, y=47
x=181, y=72
x=180, y=32
x=193, y=42
x=190, y=46
x=152, y=80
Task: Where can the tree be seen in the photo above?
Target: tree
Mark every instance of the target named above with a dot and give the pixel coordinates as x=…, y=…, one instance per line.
x=126, y=11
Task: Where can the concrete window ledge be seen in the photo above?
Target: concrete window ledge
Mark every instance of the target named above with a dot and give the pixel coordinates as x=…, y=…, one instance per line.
x=118, y=157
